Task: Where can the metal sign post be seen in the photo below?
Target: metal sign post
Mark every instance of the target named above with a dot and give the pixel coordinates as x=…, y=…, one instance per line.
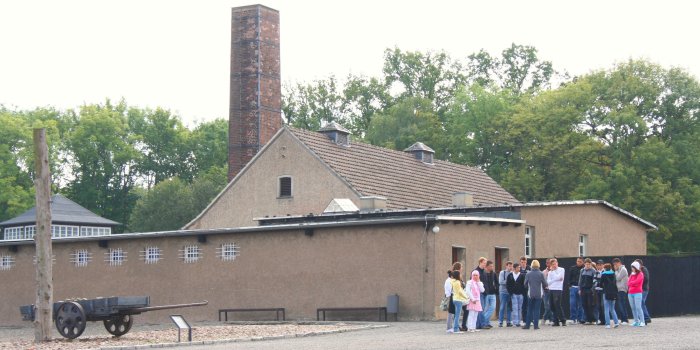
x=181, y=324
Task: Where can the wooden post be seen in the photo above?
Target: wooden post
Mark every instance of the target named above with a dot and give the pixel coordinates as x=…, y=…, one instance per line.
x=42, y=239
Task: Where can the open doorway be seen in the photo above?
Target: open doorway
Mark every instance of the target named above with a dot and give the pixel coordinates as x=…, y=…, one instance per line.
x=459, y=254
x=500, y=257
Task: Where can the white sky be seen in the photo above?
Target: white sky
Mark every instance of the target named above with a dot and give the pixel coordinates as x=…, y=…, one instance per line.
x=175, y=54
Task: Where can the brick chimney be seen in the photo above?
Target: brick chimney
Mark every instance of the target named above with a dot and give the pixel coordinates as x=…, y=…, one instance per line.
x=255, y=103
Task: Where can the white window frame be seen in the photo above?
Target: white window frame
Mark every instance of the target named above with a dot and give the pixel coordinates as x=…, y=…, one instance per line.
x=14, y=233
x=191, y=254
x=6, y=262
x=81, y=257
x=529, y=234
x=116, y=256
x=582, y=244
x=228, y=251
x=151, y=255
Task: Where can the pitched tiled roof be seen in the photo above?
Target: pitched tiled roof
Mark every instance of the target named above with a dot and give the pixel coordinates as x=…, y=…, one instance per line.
x=405, y=181
x=63, y=210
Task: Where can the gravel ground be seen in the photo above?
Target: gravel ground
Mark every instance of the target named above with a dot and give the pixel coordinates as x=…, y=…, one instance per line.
x=95, y=337
x=663, y=333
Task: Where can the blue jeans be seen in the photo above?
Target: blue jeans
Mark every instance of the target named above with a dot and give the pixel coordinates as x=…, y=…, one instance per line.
x=636, y=304
x=547, y=306
x=575, y=305
x=503, y=309
x=610, y=310
x=533, y=312
x=488, y=305
x=645, y=294
x=517, y=301
x=621, y=306
x=458, y=311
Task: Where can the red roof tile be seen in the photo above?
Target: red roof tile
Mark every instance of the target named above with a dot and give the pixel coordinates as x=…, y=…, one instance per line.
x=405, y=181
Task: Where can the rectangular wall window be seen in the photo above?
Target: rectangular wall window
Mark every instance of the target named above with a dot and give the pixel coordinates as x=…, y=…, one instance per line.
x=228, y=251
x=582, y=245
x=191, y=254
x=151, y=255
x=116, y=256
x=6, y=262
x=529, y=240
x=80, y=257
x=285, y=186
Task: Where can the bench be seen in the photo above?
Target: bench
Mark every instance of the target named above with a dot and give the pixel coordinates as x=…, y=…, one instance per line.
x=380, y=309
x=277, y=311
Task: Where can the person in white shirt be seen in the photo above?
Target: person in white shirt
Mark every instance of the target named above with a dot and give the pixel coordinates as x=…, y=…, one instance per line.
x=451, y=307
x=555, y=280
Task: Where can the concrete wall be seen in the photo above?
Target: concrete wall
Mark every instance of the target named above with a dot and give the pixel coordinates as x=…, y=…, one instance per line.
x=336, y=267
x=557, y=230
x=255, y=193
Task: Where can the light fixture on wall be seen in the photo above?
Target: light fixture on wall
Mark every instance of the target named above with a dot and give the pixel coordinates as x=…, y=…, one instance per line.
x=436, y=229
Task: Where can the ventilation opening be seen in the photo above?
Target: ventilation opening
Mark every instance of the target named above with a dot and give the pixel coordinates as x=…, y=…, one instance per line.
x=285, y=186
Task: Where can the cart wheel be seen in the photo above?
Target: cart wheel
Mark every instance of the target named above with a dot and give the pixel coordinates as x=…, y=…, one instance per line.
x=70, y=320
x=119, y=325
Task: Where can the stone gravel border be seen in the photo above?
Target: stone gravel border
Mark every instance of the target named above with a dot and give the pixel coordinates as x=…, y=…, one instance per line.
x=240, y=340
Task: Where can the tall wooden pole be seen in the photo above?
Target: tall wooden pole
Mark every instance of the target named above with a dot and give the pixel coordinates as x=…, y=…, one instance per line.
x=42, y=239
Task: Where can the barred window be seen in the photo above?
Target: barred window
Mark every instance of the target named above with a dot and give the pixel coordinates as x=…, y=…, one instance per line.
x=228, y=251
x=81, y=257
x=116, y=256
x=191, y=254
x=6, y=262
x=151, y=255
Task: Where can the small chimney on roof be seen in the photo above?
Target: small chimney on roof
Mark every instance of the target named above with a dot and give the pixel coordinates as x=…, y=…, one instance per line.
x=421, y=152
x=337, y=133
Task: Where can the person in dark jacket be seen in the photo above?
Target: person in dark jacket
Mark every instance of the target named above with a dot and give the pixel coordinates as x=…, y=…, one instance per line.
x=585, y=285
x=575, y=303
x=515, y=284
x=536, y=284
x=490, y=292
x=645, y=293
x=524, y=269
x=598, y=311
x=609, y=284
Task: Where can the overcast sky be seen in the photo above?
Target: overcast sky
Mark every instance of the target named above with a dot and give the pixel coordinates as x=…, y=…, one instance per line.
x=175, y=54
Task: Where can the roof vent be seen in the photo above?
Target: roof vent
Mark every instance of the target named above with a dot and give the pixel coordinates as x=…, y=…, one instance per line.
x=421, y=152
x=340, y=205
x=372, y=203
x=462, y=199
x=337, y=133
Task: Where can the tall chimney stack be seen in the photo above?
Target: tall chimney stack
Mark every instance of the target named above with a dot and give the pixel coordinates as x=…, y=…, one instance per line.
x=255, y=112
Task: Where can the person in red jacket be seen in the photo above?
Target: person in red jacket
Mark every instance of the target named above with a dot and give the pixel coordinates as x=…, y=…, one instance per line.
x=634, y=294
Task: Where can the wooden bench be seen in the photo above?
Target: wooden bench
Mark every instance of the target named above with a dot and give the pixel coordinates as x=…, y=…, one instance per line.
x=277, y=311
x=380, y=309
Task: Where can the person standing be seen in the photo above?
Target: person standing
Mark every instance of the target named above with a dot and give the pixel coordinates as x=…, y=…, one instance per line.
x=535, y=283
x=490, y=283
x=451, y=305
x=503, y=295
x=599, y=313
x=575, y=304
x=458, y=298
x=585, y=285
x=635, y=294
x=609, y=295
x=621, y=277
x=555, y=281
x=547, y=317
x=516, y=288
x=481, y=268
x=475, y=289
x=645, y=290
x=524, y=270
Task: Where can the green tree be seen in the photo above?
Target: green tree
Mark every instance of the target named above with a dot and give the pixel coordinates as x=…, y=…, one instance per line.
x=209, y=145
x=408, y=121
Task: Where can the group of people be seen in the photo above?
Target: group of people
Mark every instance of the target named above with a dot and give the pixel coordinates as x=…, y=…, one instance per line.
x=596, y=294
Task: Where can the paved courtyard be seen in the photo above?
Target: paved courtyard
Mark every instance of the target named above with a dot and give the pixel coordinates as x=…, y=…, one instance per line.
x=663, y=333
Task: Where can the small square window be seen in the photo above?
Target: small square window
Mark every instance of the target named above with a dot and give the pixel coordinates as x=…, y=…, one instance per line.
x=191, y=254
x=6, y=262
x=228, y=251
x=285, y=186
x=151, y=255
x=81, y=257
x=116, y=256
